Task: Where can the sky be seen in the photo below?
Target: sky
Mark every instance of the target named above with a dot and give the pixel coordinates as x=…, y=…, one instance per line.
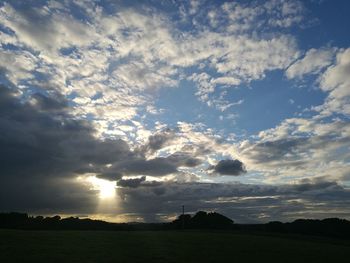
x=125, y=110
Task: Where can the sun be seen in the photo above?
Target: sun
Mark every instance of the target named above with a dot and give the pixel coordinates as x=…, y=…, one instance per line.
x=106, y=188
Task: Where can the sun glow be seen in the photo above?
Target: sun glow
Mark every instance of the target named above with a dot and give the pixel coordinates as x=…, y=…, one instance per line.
x=107, y=189
x=108, y=201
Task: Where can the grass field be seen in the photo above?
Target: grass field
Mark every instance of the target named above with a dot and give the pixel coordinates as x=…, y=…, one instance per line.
x=170, y=246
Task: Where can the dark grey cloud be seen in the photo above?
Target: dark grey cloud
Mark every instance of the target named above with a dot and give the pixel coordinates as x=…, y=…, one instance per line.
x=229, y=167
x=187, y=156
x=184, y=159
x=135, y=165
x=42, y=149
x=42, y=195
x=291, y=151
x=41, y=142
x=309, y=186
x=39, y=137
x=159, y=166
x=159, y=140
x=274, y=150
x=36, y=141
x=241, y=202
x=133, y=183
x=53, y=103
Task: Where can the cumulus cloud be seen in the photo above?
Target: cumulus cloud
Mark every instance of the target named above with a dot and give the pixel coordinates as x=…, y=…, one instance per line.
x=41, y=142
x=42, y=148
x=159, y=140
x=133, y=182
x=242, y=17
x=229, y=167
x=331, y=65
x=335, y=80
x=35, y=140
x=300, y=148
x=312, y=63
x=95, y=55
x=83, y=83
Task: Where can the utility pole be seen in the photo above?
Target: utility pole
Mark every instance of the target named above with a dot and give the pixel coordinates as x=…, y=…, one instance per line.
x=183, y=217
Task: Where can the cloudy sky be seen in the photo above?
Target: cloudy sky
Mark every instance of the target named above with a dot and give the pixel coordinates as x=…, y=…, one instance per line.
x=126, y=112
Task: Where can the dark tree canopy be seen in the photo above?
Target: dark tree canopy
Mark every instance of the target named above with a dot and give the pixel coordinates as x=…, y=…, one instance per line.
x=204, y=220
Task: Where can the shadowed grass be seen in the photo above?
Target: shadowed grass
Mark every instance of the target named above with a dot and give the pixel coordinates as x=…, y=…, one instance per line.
x=165, y=246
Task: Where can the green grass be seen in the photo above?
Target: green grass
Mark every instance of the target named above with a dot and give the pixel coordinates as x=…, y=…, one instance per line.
x=170, y=246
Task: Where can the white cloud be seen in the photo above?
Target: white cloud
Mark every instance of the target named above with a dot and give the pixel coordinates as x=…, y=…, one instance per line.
x=241, y=17
x=289, y=12
x=299, y=148
x=142, y=50
x=205, y=85
x=142, y=77
x=336, y=81
x=111, y=64
x=17, y=65
x=312, y=63
x=194, y=5
x=227, y=81
x=337, y=76
x=45, y=30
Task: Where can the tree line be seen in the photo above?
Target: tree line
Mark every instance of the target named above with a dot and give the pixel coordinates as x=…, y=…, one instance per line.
x=334, y=227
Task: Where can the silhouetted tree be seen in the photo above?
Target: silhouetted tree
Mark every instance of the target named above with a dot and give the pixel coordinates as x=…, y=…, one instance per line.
x=204, y=220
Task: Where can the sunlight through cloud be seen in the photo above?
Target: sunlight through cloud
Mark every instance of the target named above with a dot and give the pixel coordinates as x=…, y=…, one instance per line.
x=107, y=189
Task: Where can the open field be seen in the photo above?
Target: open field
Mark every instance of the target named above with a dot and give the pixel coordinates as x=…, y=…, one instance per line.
x=165, y=246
